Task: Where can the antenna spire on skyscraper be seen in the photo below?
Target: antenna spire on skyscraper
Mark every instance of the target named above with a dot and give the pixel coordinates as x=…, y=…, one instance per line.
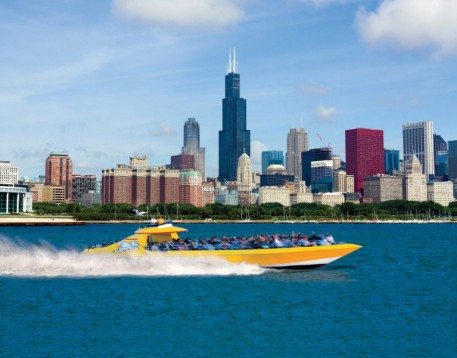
x=234, y=61
x=232, y=66
x=230, y=61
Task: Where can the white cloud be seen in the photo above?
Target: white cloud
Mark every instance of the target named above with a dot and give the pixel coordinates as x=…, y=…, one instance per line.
x=188, y=13
x=325, y=113
x=256, y=153
x=412, y=24
x=312, y=89
x=162, y=129
x=323, y=3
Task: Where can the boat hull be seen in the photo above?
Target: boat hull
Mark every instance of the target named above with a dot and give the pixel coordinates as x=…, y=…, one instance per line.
x=280, y=258
x=293, y=257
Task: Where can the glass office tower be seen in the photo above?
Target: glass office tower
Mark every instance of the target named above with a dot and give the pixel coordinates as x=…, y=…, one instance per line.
x=312, y=155
x=270, y=157
x=192, y=145
x=392, y=161
x=452, y=159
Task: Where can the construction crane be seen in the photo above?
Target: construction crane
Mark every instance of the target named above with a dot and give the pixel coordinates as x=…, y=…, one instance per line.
x=326, y=146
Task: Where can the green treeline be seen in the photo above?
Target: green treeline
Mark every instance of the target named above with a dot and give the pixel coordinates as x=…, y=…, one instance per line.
x=390, y=210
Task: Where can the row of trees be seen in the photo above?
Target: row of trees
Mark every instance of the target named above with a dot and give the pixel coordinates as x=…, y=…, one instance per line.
x=390, y=210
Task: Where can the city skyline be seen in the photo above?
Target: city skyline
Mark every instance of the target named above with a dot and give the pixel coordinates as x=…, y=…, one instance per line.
x=106, y=80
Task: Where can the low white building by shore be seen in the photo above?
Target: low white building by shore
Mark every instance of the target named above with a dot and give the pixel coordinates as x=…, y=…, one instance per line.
x=15, y=199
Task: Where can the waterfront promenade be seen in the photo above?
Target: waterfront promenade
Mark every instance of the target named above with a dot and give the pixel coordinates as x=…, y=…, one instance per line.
x=8, y=220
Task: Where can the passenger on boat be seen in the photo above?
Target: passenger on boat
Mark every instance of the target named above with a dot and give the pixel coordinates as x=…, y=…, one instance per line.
x=322, y=241
x=330, y=239
x=313, y=238
x=277, y=242
x=303, y=241
x=237, y=243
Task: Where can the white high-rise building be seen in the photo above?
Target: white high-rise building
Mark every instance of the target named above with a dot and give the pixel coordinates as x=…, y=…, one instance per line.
x=342, y=183
x=9, y=174
x=330, y=199
x=244, y=179
x=274, y=194
x=244, y=171
x=414, y=182
x=418, y=140
x=440, y=192
x=297, y=142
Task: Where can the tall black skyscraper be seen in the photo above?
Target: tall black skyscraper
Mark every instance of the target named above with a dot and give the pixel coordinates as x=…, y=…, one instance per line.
x=234, y=138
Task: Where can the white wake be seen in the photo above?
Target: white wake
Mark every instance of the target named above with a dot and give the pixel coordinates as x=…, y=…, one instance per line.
x=30, y=260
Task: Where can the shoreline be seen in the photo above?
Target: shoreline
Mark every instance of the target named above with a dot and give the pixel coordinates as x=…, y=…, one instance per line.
x=70, y=221
x=39, y=221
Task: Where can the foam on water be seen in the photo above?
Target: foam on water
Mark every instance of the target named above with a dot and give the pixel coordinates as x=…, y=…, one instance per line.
x=30, y=260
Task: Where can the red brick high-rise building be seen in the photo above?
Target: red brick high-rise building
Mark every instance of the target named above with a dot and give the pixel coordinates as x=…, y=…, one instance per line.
x=117, y=185
x=169, y=186
x=59, y=171
x=183, y=162
x=364, y=154
x=139, y=187
x=190, y=188
x=139, y=183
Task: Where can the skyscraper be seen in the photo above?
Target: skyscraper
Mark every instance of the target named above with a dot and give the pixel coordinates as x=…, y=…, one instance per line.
x=392, y=160
x=441, y=168
x=312, y=155
x=190, y=188
x=9, y=173
x=234, y=138
x=270, y=157
x=244, y=179
x=418, y=140
x=192, y=145
x=440, y=155
x=439, y=144
x=297, y=142
x=364, y=154
x=59, y=171
x=414, y=181
x=452, y=159
x=321, y=176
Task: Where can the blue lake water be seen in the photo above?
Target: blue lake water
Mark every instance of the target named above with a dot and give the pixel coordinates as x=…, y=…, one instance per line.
x=395, y=297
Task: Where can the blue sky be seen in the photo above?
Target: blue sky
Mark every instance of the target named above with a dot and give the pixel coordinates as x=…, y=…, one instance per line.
x=104, y=80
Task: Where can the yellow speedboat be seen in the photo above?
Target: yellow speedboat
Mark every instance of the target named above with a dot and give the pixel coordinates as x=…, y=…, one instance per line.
x=148, y=240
